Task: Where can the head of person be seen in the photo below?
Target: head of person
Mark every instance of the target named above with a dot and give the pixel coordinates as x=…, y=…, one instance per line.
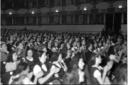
x=20, y=45
x=95, y=60
x=4, y=46
x=81, y=63
x=89, y=46
x=124, y=59
x=54, y=49
x=30, y=53
x=120, y=39
x=44, y=49
x=43, y=58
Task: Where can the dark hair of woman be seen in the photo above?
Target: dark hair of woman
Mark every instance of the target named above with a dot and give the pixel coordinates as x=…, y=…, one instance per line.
x=93, y=59
x=28, y=50
x=54, y=58
x=111, y=51
x=104, y=60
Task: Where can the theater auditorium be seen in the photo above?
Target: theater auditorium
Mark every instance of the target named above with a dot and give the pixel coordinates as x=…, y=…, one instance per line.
x=59, y=42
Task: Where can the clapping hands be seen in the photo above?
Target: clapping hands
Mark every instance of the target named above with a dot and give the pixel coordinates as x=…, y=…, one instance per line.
x=39, y=74
x=54, y=69
x=108, y=66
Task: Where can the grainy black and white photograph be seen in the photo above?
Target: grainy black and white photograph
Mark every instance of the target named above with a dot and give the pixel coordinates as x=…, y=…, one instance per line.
x=63, y=42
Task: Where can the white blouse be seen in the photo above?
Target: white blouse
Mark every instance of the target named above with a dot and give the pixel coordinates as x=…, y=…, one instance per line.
x=27, y=81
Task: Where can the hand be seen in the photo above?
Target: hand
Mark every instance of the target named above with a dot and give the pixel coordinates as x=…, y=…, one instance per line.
x=39, y=74
x=100, y=68
x=112, y=57
x=54, y=69
x=106, y=68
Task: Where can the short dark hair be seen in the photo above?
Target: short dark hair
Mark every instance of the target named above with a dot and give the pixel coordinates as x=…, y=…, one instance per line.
x=111, y=51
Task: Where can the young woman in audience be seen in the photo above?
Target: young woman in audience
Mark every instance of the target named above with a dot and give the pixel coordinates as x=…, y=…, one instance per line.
x=97, y=73
x=20, y=49
x=81, y=66
x=46, y=68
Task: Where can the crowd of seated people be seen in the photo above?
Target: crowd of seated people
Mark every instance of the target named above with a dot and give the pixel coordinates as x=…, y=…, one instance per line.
x=34, y=57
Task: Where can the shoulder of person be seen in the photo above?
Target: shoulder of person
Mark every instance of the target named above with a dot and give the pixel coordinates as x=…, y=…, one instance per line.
x=96, y=73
